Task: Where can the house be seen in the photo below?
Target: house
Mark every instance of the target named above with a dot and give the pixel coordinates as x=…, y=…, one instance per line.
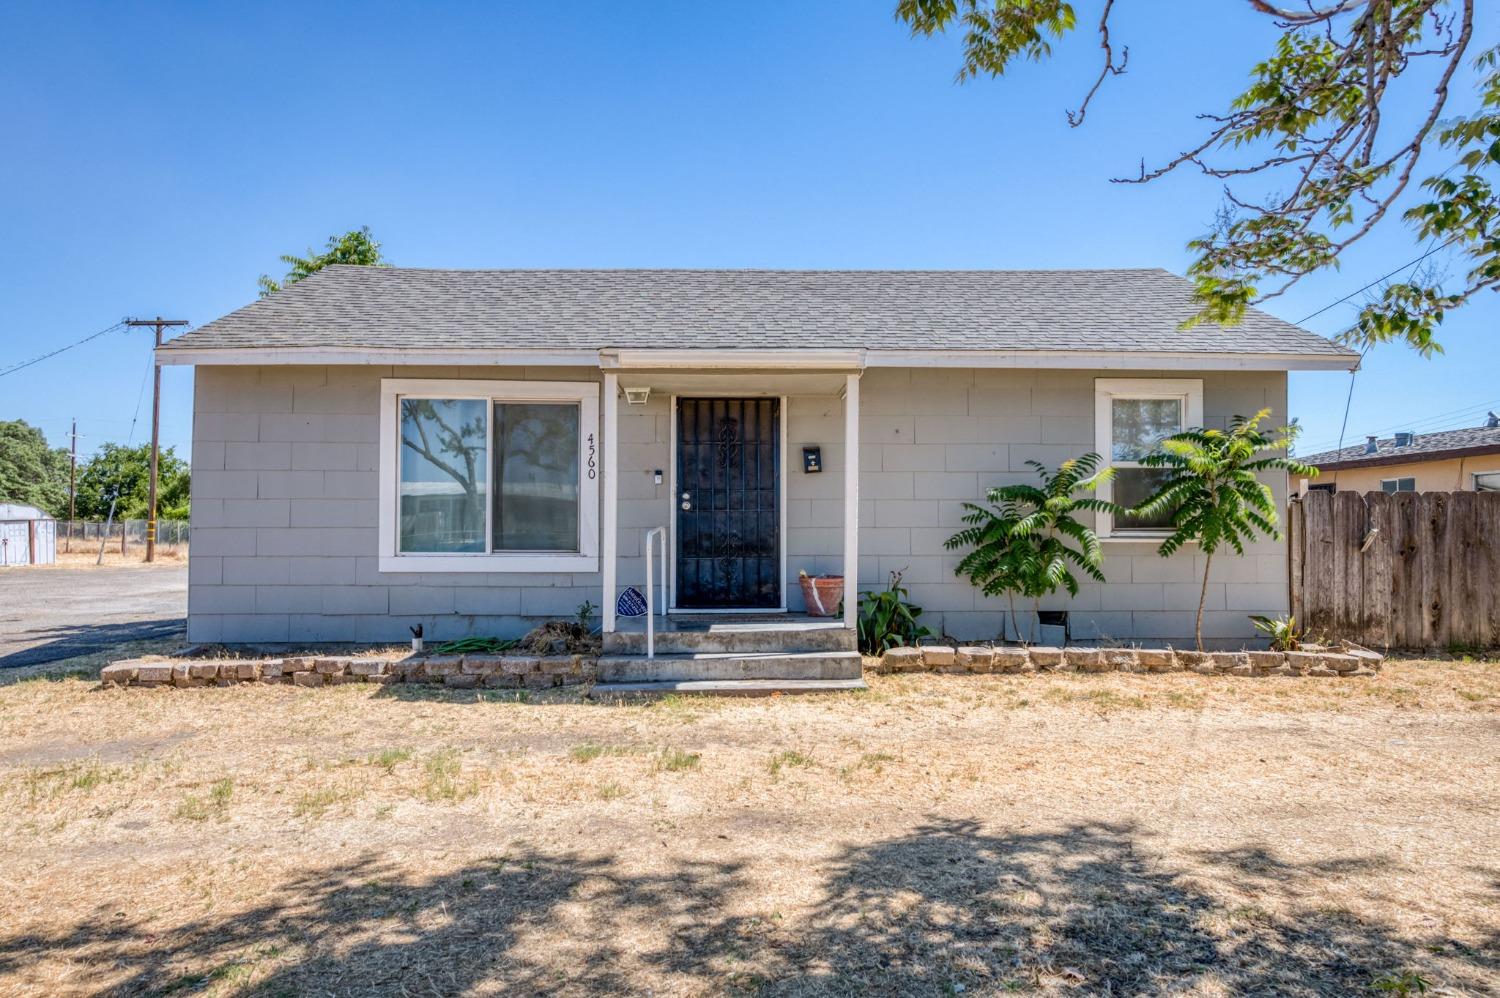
x=1466, y=460
x=474, y=451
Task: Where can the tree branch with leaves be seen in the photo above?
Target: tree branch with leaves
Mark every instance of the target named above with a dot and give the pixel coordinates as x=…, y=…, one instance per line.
x=356, y=247
x=1312, y=124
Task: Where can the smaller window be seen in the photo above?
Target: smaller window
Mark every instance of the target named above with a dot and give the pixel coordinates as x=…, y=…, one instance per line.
x=1324, y=487
x=1487, y=481
x=1398, y=485
x=1133, y=416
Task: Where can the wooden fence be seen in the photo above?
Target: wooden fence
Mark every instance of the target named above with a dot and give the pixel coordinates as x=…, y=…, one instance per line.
x=1403, y=570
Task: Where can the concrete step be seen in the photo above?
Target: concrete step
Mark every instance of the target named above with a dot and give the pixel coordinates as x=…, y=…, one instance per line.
x=724, y=688
x=730, y=639
x=715, y=666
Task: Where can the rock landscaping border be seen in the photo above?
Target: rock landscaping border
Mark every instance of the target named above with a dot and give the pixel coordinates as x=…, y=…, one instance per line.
x=464, y=672
x=982, y=659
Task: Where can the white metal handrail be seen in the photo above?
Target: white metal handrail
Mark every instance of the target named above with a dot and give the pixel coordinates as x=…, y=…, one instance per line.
x=655, y=533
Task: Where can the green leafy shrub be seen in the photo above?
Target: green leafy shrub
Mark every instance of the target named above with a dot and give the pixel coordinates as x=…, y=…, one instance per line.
x=1019, y=542
x=1212, y=493
x=888, y=620
x=1283, y=631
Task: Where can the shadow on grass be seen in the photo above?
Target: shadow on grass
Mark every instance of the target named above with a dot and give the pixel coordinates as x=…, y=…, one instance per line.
x=1083, y=911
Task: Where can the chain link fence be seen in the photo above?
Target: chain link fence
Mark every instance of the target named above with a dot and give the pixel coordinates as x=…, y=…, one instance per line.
x=75, y=534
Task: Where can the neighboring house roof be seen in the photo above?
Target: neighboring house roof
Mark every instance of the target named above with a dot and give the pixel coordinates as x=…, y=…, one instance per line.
x=388, y=308
x=1438, y=446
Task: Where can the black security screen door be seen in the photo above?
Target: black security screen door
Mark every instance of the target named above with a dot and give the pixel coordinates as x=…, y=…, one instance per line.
x=728, y=503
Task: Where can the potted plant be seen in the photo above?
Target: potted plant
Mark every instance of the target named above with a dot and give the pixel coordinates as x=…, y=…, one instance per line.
x=823, y=594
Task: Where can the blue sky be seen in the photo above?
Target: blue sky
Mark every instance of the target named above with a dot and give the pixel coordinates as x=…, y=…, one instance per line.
x=159, y=157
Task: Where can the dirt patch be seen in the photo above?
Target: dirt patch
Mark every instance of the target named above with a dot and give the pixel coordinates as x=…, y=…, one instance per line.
x=1072, y=834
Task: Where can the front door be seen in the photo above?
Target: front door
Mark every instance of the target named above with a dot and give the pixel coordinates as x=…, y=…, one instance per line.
x=728, y=503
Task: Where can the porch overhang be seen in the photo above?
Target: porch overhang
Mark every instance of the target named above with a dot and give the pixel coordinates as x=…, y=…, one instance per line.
x=733, y=360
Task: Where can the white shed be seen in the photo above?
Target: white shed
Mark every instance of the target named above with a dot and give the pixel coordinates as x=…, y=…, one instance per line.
x=27, y=536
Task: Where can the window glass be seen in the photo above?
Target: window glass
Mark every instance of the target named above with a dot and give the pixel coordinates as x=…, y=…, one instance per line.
x=1488, y=481
x=1136, y=485
x=1398, y=485
x=536, y=476
x=444, y=475
x=1140, y=424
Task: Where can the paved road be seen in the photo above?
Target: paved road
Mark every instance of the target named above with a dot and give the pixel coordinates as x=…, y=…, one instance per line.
x=48, y=614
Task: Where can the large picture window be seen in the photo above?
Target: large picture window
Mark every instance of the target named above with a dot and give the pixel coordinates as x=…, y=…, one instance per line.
x=1132, y=417
x=489, y=476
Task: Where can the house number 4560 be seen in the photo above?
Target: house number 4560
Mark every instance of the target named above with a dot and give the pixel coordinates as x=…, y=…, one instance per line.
x=592, y=473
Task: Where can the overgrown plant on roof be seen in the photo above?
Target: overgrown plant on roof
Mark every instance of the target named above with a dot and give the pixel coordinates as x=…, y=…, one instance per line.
x=1019, y=543
x=1212, y=493
x=356, y=247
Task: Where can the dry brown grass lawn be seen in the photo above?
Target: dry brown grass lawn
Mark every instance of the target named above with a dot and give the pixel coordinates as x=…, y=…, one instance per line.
x=1071, y=834
x=85, y=554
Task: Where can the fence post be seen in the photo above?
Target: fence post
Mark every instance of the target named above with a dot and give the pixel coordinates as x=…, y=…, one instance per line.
x=1295, y=539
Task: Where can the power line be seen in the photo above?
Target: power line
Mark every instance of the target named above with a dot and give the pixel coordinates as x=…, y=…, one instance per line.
x=1349, y=398
x=1452, y=419
x=1359, y=291
x=54, y=353
x=150, y=366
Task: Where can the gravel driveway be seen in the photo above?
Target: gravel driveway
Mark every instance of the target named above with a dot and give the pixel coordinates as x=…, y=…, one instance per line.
x=47, y=614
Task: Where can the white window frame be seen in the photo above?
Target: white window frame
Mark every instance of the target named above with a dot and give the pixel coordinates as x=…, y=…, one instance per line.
x=1398, y=480
x=1476, y=475
x=584, y=393
x=1106, y=390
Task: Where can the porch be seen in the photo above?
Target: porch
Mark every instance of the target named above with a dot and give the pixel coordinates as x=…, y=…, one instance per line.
x=720, y=483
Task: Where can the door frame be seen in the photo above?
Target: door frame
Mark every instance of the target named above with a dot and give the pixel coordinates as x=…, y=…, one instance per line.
x=781, y=476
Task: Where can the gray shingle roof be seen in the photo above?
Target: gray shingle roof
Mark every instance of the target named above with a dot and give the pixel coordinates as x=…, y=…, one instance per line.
x=1423, y=447
x=1069, y=310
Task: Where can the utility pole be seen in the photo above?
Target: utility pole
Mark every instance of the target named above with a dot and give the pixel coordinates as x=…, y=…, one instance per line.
x=159, y=323
x=72, y=484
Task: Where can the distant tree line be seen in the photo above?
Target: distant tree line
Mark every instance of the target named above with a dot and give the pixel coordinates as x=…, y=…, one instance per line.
x=36, y=474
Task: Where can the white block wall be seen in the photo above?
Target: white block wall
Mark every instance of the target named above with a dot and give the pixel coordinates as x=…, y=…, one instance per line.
x=285, y=495
x=934, y=438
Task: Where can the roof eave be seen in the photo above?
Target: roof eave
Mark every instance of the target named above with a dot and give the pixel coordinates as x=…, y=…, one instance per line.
x=1388, y=460
x=1137, y=360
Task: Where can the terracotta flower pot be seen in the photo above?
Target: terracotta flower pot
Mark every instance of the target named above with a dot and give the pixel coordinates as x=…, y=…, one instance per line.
x=822, y=594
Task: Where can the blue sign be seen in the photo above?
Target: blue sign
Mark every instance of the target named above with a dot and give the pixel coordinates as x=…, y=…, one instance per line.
x=631, y=603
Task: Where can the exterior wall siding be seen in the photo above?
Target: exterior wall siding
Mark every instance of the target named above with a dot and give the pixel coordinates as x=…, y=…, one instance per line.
x=985, y=425
x=285, y=469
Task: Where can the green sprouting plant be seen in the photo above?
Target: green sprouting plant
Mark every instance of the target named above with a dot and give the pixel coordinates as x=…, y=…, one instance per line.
x=675, y=760
x=887, y=620
x=1282, y=630
x=1403, y=984
x=584, y=614
x=1019, y=542
x=1211, y=491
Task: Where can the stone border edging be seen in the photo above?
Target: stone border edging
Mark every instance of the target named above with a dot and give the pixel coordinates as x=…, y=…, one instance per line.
x=465, y=672
x=1011, y=659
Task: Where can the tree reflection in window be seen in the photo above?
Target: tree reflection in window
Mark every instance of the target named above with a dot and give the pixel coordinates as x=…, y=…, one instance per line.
x=536, y=476
x=444, y=475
